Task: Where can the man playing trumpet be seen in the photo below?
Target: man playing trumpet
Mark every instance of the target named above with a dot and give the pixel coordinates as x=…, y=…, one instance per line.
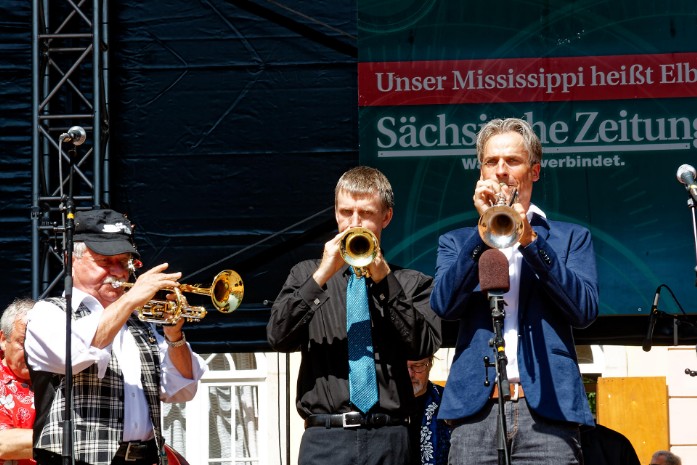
x=122, y=367
x=356, y=329
x=553, y=288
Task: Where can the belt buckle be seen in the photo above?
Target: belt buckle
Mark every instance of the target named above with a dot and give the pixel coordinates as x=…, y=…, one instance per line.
x=137, y=452
x=514, y=396
x=351, y=419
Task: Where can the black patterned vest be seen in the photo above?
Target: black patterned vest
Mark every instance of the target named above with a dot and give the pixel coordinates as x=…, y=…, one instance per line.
x=98, y=404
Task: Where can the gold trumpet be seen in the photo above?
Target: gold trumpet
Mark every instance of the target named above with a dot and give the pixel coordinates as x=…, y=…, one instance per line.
x=226, y=293
x=359, y=247
x=500, y=226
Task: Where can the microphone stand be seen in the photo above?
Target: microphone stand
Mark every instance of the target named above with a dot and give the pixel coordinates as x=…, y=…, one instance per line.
x=691, y=205
x=68, y=427
x=498, y=314
x=680, y=319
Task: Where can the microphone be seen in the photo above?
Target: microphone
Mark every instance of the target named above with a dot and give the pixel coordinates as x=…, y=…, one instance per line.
x=652, y=322
x=686, y=175
x=75, y=134
x=493, y=272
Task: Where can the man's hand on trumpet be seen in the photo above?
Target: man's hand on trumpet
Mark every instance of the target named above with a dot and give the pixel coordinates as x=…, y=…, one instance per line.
x=173, y=332
x=378, y=268
x=487, y=193
x=117, y=313
x=142, y=291
x=149, y=283
x=331, y=260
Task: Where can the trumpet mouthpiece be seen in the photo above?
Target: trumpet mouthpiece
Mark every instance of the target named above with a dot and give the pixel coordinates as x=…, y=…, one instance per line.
x=115, y=283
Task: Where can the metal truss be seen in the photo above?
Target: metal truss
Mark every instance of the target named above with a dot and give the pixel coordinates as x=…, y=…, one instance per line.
x=69, y=79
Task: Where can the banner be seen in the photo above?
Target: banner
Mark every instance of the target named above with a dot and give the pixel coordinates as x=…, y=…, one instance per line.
x=610, y=89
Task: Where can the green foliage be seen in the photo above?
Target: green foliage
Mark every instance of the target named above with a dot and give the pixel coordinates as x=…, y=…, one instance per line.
x=591, y=383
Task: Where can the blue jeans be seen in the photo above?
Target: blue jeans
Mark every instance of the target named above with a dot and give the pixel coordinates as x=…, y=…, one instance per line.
x=532, y=440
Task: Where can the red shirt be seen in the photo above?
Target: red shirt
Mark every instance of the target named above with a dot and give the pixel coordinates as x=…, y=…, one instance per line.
x=16, y=407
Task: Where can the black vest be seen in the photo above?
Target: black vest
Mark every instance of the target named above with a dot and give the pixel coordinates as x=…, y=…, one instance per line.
x=98, y=404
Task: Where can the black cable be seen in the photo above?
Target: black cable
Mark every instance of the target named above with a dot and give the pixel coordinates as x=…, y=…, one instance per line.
x=259, y=242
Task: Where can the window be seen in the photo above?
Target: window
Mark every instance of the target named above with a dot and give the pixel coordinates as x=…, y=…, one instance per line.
x=222, y=425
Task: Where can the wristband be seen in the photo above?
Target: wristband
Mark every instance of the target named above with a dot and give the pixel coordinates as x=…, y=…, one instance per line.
x=178, y=343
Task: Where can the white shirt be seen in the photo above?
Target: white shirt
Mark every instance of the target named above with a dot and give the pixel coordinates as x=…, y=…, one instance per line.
x=512, y=299
x=45, y=349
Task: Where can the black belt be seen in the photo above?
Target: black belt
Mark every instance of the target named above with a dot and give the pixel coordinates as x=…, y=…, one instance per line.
x=354, y=420
x=137, y=450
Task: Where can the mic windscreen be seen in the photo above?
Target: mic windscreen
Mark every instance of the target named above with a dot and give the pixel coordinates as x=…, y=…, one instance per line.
x=686, y=174
x=493, y=271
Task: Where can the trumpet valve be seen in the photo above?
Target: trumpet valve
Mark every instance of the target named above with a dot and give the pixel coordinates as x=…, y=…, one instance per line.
x=193, y=313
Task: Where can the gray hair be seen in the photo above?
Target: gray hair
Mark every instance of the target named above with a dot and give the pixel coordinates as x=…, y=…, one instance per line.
x=17, y=310
x=366, y=180
x=501, y=126
x=671, y=458
x=79, y=249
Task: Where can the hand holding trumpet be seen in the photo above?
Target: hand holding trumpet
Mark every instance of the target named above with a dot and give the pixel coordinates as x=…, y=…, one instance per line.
x=503, y=220
x=226, y=293
x=360, y=248
x=147, y=285
x=122, y=305
x=489, y=192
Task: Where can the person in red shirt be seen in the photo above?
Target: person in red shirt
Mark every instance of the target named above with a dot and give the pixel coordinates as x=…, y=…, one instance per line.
x=16, y=398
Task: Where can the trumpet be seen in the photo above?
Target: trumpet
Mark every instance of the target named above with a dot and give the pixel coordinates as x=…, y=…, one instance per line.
x=359, y=247
x=500, y=226
x=226, y=293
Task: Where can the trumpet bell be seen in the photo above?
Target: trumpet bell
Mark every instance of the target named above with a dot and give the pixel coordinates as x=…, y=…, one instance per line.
x=359, y=247
x=500, y=227
x=226, y=291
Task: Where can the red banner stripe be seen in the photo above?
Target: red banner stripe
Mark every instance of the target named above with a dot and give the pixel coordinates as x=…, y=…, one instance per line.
x=616, y=77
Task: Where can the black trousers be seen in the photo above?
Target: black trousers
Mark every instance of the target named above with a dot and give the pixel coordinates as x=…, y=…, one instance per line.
x=43, y=457
x=387, y=445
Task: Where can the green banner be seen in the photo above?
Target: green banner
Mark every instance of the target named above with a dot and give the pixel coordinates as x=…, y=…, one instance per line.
x=610, y=88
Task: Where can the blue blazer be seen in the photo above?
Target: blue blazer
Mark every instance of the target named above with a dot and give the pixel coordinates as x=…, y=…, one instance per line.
x=558, y=291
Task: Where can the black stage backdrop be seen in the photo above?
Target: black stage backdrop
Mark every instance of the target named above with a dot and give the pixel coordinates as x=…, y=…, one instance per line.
x=230, y=122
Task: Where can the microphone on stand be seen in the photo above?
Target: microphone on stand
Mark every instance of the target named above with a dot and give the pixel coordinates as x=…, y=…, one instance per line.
x=686, y=175
x=652, y=321
x=494, y=280
x=493, y=273
x=76, y=135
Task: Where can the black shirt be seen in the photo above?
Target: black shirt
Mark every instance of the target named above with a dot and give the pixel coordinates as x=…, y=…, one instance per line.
x=604, y=446
x=415, y=419
x=312, y=319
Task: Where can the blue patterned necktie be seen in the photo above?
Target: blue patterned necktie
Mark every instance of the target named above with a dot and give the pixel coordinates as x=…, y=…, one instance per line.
x=362, y=380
